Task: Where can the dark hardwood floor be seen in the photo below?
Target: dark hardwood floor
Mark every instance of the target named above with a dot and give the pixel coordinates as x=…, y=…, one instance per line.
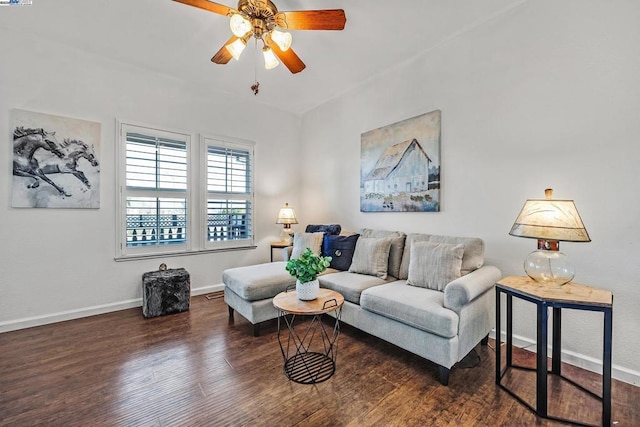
x=196, y=369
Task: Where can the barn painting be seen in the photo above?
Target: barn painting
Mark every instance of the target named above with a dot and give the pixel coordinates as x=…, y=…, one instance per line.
x=400, y=166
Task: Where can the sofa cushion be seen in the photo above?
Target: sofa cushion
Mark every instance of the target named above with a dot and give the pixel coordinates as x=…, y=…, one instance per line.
x=418, y=307
x=302, y=241
x=324, y=228
x=371, y=256
x=434, y=265
x=397, y=247
x=472, y=259
x=256, y=282
x=350, y=285
x=340, y=249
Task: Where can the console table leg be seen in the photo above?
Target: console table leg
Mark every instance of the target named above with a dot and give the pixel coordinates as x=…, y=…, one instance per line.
x=556, y=347
x=541, y=361
x=509, y=330
x=498, y=338
x=606, y=369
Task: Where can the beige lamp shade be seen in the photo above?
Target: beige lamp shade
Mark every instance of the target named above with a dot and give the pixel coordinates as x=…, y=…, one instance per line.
x=286, y=215
x=549, y=219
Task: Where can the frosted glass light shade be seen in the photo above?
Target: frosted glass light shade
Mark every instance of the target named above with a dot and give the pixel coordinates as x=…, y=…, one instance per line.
x=236, y=48
x=270, y=60
x=549, y=267
x=283, y=40
x=239, y=25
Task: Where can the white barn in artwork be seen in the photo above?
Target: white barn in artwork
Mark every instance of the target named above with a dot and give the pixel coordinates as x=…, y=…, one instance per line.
x=402, y=167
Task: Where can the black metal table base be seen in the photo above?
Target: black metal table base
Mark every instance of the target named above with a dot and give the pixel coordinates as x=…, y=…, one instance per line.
x=309, y=368
x=541, y=370
x=309, y=354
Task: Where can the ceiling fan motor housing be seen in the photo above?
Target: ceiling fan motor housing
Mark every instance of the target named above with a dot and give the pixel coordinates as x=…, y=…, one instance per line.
x=261, y=14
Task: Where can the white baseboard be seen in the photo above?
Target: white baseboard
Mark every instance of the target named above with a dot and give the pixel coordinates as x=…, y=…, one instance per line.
x=29, y=322
x=207, y=289
x=576, y=359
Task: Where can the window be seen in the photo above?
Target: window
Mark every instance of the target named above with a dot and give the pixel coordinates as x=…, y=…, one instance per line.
x=160, y=170
x=229, y=192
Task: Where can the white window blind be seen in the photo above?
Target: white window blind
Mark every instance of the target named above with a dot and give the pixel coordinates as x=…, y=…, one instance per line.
x=229, y=192
x=156, y=175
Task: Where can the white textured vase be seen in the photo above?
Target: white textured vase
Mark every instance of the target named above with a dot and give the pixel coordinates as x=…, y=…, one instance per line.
x=307, y=291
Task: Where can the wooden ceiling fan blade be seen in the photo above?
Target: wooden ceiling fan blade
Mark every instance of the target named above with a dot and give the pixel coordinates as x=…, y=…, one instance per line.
x=329, y=19
x=210, y=6
x=288, y=57
x=223, y=56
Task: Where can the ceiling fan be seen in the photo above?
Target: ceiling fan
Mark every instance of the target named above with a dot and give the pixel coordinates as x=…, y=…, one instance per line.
x=261, y=19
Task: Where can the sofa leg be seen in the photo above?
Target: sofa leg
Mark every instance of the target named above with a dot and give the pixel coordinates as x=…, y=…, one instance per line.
x=443, y=373
x=230, y=314
x=485, y=340
x=256, y=330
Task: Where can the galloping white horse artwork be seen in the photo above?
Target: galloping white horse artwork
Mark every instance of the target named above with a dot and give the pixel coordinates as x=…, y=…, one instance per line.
x=26, y=142
x=55, y=161
x=73, y=151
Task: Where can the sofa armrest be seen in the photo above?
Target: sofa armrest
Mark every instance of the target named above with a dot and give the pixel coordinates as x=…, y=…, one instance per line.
x=286, y=253
x=465, y=289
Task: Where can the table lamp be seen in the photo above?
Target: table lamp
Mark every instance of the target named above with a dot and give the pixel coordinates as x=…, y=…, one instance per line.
x=286, y=216
x=550, y=221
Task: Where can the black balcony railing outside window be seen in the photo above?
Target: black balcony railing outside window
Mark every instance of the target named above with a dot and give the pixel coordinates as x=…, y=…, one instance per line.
x=144, y=230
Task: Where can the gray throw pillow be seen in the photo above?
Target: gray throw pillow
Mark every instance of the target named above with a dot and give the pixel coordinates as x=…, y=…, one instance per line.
x=397, y=247
x=434, y=265
x=302, y=241
x=371, y=257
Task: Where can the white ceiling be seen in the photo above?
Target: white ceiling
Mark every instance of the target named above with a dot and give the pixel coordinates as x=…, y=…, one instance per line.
x=179, y=40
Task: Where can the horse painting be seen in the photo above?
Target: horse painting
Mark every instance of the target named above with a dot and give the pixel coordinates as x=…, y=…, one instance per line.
x=26, y=142
x=73, y=151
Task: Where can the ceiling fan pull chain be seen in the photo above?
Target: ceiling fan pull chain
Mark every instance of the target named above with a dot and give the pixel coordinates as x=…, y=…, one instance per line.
x=255, y=87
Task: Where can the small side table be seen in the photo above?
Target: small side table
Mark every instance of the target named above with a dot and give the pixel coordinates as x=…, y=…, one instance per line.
x=279, y=245
x=308, y=361
x=573, y=296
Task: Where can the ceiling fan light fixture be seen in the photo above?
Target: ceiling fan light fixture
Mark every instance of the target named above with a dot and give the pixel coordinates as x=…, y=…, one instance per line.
x=282, y=39
x=236, y=48
x=270, y=60
x=239, y=25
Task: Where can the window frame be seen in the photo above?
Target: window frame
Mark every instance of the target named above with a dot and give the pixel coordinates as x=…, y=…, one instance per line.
x=124, y=251
x=196, y=194
x=219, y=141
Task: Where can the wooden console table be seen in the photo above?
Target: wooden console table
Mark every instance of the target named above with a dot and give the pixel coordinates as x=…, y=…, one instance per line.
x=572, y=296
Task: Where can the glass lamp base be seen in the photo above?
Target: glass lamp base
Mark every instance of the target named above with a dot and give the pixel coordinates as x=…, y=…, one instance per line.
x=286, y=235
x=549, y=267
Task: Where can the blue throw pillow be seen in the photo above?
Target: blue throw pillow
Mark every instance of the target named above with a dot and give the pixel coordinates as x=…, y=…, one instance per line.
x=340, y=249
x=327, y=229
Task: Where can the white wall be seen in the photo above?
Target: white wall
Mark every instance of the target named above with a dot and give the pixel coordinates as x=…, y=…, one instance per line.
x=546, y=95
x=59, y=263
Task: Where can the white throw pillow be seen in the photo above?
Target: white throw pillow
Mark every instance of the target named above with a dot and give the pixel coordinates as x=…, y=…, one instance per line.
x=302, y=241
x=371, y=256
x=434, y=265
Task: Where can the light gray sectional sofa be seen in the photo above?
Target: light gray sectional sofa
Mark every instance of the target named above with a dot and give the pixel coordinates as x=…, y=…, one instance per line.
x=435, y=298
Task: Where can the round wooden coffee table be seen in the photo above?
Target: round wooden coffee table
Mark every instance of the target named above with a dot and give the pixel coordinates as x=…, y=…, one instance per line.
x=309, y=348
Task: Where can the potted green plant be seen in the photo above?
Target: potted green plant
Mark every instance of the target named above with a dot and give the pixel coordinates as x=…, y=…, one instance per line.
x=306, y=269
